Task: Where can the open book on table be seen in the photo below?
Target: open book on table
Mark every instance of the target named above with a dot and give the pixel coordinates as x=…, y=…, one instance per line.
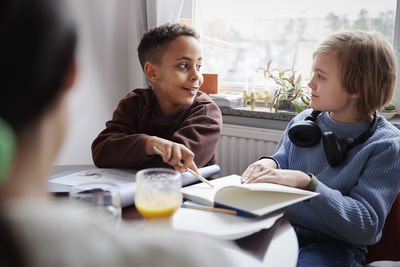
x=125, y=179
x=253, y=200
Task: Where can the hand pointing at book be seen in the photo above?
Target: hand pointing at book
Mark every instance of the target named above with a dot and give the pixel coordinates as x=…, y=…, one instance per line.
x=174, y=154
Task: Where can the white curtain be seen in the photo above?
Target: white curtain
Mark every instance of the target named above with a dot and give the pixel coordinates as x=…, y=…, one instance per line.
x=161, y=11
x=108, y=66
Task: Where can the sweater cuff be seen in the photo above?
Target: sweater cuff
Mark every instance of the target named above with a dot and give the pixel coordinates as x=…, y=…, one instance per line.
x=276, y=162
x=312, y=185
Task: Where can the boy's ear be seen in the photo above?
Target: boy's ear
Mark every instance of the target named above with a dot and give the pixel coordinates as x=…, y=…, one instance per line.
x=150, y=71
x=355, y=95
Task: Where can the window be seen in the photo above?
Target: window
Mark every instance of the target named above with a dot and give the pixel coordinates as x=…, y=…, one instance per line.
x=239, y=36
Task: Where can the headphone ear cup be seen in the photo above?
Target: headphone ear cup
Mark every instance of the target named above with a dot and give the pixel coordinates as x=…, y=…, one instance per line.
x=335, y=151
x=7, y=149
x=305, y=134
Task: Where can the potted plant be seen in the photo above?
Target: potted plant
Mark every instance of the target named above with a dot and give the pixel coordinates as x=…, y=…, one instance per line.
x=291, y=89
x=388, y=111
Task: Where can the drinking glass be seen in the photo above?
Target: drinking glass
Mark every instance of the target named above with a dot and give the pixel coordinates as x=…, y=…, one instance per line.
x=105, y=197
x=158, y=192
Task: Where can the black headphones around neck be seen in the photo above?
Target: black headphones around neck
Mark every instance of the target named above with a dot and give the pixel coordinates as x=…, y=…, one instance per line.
x=306, y=133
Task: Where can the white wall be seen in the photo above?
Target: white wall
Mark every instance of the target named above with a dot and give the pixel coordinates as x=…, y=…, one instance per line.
x=108, y=68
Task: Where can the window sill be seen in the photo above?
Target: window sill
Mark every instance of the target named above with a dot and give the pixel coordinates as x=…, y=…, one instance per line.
x=261, y=117
x=258, y=112
x=395, y=120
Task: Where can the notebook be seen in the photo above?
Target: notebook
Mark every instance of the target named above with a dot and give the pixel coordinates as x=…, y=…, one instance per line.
x=253, y=200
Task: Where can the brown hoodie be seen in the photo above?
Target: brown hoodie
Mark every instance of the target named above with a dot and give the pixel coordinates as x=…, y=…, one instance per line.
x=121, y=143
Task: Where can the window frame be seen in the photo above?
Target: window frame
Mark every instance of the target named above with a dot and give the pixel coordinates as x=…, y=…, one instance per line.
x=238, y=87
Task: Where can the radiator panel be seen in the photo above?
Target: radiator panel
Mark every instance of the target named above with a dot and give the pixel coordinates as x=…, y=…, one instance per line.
x=240, y=146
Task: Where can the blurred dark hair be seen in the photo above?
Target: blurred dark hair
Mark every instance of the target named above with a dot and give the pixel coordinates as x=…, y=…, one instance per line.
x=37, y=45
x=155, y=41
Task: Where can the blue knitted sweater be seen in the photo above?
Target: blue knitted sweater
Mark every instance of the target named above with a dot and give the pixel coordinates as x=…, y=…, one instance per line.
x=356, y=196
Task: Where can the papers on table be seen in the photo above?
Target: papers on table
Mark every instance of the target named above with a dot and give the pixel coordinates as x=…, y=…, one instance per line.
x=124, y=178
x=115, y=176
x=220, y=225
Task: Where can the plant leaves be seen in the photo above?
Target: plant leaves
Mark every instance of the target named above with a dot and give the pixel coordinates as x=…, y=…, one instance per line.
x=290, y=87
x=298, y=80
x=299, y=109
x=268, y=64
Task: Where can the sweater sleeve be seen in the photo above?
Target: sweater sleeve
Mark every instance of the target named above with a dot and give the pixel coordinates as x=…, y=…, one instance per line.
x=359, y=215
x=283, y=149
x=281, y=153
x=120, y=145
x=200, y=132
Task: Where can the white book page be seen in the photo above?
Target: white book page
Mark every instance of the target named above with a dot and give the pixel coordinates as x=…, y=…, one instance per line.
x=258, y=198
x=204, y=194
x=258, y=202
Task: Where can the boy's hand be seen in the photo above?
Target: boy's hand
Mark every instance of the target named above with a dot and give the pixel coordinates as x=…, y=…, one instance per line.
x=257, y=168
x=174, y=154
x=261, y=172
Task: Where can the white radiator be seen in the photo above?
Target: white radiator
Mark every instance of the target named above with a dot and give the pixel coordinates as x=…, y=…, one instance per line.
x=240, y=146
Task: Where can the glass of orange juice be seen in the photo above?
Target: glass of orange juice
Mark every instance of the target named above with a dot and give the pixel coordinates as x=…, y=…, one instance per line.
x=158, y=192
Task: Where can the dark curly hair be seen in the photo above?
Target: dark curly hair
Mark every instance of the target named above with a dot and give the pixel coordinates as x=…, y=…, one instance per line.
x=155, y=41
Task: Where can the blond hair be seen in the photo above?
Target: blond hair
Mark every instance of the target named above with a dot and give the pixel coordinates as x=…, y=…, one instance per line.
x=368, y=67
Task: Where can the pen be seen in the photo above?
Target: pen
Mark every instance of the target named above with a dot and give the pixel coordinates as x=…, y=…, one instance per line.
x=207, y=208
x=198, y=176
x=201, y=178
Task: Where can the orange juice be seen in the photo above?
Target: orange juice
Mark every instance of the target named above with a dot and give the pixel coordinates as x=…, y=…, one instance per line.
x=158, y=206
